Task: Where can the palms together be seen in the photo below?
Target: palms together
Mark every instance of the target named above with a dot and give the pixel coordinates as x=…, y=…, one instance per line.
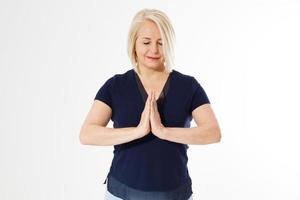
x=150, y=119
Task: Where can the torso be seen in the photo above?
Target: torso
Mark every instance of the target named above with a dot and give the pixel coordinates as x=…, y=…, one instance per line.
x=156, y=86
x=136, y=163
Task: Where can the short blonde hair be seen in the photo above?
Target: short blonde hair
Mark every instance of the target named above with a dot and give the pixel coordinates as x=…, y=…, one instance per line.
x=166, y=31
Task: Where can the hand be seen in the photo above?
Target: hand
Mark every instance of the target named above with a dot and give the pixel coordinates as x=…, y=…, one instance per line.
x=144, y=126
x=157, y=128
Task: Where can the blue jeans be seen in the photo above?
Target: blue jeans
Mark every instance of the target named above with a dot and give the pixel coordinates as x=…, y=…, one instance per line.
x=109, y=196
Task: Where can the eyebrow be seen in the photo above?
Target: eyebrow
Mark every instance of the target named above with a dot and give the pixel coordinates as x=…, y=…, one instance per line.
x=149, y=38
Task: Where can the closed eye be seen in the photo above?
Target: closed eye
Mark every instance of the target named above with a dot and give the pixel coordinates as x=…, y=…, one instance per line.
x=149, y=43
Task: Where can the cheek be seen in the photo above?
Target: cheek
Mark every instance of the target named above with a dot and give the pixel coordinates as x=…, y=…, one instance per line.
x=140, y=50
x=161, y=53
x=160, y=49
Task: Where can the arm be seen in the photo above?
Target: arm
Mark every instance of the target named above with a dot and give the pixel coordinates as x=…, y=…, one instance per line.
x=206, y=132
x=95, y=132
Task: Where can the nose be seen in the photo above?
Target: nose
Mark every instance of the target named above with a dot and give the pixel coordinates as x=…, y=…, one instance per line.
x=154, y=48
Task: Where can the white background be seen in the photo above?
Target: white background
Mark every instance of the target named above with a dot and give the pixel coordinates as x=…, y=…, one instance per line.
x=55, y=55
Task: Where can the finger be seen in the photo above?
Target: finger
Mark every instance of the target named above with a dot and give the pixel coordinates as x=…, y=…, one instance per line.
x=151, y=107
x=148, y=100
x=146, y=107
x=150, y=97
x=153, y=98
x=155, y=106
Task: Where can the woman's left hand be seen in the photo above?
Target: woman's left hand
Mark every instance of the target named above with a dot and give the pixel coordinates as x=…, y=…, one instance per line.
x=156, y=126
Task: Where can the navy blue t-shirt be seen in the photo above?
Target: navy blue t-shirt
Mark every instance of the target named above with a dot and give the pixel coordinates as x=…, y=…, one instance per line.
x=151, y=164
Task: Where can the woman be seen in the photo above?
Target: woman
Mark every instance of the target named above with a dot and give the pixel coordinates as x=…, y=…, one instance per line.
x=151, y=106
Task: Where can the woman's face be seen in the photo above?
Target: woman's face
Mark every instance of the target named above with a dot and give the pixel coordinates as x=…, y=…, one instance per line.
x=148, y=46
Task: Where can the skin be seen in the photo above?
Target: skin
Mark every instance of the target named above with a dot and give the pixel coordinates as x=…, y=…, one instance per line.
x=153, y=77
x=147, y=47
x=151, y=72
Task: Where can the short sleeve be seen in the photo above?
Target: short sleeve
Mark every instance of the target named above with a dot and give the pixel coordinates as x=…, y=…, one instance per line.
x=199, y=96
x=104, y=94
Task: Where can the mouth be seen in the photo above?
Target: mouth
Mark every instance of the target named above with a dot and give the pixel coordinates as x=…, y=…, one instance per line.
x=153, y=58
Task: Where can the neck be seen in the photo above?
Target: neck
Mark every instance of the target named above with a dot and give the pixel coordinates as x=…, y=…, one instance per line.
x=150, y=73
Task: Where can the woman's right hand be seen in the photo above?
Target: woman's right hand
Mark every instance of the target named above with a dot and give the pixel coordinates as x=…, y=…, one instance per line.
x=144, y=126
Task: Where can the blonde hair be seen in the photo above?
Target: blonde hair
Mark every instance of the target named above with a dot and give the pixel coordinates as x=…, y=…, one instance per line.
x=166, y=31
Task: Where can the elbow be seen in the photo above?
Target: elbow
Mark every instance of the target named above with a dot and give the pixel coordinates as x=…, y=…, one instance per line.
x=217, y=134
x=213, y=134
x=82, y=137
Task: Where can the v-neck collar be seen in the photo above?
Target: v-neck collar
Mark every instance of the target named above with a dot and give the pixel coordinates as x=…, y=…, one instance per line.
x=142, y=89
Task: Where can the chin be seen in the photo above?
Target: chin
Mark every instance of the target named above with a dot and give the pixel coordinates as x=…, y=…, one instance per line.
x=153, y=64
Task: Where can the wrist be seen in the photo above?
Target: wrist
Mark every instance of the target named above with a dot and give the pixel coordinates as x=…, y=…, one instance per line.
x=164, y=133
x=137, y=132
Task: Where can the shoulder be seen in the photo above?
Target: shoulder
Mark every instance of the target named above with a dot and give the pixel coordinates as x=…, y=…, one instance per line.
x=123, y=75
x=185, y=79
x=117, y=78
x=117, y=82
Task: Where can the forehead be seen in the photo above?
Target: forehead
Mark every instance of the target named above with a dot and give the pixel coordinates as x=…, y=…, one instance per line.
x=149, y=30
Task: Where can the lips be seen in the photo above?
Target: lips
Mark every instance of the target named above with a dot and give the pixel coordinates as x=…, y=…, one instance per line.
x=152, y=57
